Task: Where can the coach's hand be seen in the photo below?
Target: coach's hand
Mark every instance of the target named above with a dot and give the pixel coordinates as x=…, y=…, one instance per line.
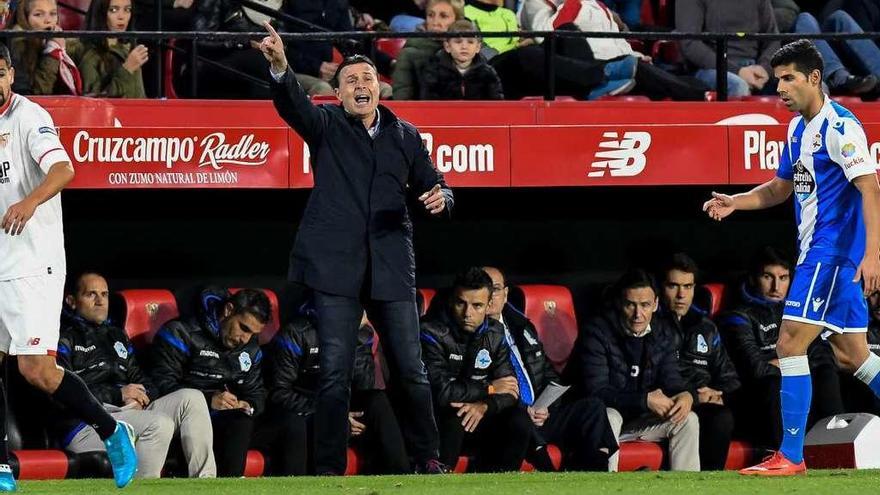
x=224, y=400
x=17, y=216
x=273, y=49
x=434, y=200
x=682, y=404
x=135, y=392
x=720, y=206
x=355, y=426
x=506, y=385
x=659, y=403
x=471, y=413
x=869, y=273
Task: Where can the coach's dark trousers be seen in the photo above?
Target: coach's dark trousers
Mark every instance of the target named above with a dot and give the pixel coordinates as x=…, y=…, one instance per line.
x=397, y=325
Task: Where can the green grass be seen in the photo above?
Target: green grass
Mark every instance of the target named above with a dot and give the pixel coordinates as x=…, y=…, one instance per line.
x=816, y=483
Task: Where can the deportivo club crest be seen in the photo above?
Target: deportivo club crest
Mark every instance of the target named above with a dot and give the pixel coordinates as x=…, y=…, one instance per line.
x=244, y=359
x=121, y=351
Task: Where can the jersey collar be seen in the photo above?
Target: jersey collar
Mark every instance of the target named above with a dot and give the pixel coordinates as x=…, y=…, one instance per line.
x=6, y=105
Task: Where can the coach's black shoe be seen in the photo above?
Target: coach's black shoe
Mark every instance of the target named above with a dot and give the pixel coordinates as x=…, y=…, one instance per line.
x=432, y=466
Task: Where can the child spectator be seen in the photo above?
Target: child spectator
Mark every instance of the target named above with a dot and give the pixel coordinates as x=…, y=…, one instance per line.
x=417, y=51
x=459, y=71
x=111, y=67
x=491, y=16
x=44, y=66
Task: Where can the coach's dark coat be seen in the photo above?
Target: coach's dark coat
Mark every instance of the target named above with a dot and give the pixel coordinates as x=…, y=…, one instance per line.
x=357, y=217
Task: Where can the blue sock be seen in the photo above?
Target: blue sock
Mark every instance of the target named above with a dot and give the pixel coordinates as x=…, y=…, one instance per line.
x=869, y=373
x=795, y=394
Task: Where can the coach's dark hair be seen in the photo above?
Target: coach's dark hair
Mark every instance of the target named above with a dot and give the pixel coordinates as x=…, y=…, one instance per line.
x=473, y=278
x=678, y=261
x=73, y=284
x=635, y=278
x=767, y=256
x=803, y=54
x=4, y=54
x=251, y=301
x=354, y=59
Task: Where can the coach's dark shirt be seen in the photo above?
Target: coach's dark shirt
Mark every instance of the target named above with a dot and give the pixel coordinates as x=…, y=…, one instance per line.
x=356, y=227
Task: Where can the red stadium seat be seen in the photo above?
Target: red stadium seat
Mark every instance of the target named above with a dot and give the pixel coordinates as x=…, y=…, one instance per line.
x=427, y=296
x=69, y=19
x=462, y=465
x=847, y=100
x=640, y=455
x=41, y=464
x=146, y=310
x=354, y=463
x=629, y=98
x=667, y=52
x=390, y=46
x=168, y=78
x=274, y=324
x=716, y=298
x=551, y=309
x=254, y=464
x=555, y=457
x=740, y=455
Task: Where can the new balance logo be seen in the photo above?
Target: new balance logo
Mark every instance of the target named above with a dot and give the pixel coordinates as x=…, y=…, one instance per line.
x=793, y=431
x=817, y=303
x=624, y=158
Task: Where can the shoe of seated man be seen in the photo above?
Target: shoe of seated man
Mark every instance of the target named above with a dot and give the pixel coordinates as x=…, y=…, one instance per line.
x=624, y=68
x=123, y=457
x=612, y=87
x=7, y=480
x=856, y=85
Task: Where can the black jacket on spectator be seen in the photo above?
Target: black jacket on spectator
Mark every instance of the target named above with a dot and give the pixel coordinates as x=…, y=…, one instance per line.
x=357, y=218
x=461, y=364
x=525, y=335
x=104, y=358
x=443, y=81
x=605, y=364
x=332, y=15
x=703, y=361
x=189, y=354
x=223, y=15
x=292, y=366
x=751, y=330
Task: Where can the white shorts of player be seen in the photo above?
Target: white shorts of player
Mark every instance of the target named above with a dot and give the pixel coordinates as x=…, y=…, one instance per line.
x=30, y=314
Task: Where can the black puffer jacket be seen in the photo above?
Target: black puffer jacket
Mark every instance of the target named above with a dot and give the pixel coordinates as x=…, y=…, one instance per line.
x=461, y=364
x=750, y=331
x=608, y=371
x=189, y=354
x=442, y=80
x=292, y=365
x=220, y=16
x=104, y=358
x=703, y=360
x=525, y=335
x=331, y=15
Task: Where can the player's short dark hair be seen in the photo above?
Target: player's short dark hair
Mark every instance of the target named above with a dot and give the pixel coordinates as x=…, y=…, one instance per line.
x=634, y=278
x=803, y=54
x=4, y=54
x=253, y=302
x=768, y=256
x=681, y=262
x=354, y=59
x=73, y=284
x=473, y=278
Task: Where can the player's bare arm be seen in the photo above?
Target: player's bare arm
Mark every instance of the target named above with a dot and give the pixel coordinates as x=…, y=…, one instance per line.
x=767, y=195
x=869, y=268
x=17, y=216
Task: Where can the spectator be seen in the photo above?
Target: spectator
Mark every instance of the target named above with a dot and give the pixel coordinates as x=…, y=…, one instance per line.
x=111, y=67
x=216, y=353
x=417, y=51
x=491, y=16
x=291, y=374
x=101, y=354
x=625, y=357
x=44, y=66
x=475, y=390
x=748, y=61
x=864, y=52
x=705, y=367
x=855, y=397
x=865, y=12
x=750, y=331
x=177, y=15
x=459, y=71
x=400, y=15
x=578, y=425
x=630, y=11
x=785, y=12
x=315, y=58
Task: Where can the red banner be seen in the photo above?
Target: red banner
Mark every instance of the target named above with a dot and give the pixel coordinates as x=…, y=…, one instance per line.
x=618, y=155
x=467, y=156
x=161, y=158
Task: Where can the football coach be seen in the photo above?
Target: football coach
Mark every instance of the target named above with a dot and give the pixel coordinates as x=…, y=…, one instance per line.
x=354, y=246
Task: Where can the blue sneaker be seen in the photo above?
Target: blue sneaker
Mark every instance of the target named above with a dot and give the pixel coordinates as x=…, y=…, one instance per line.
x=120, y=450
x=621, y=69
x=7, y=481
x=611, y=88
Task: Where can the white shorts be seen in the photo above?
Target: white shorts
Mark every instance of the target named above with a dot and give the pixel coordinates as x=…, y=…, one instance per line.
x=30, y=314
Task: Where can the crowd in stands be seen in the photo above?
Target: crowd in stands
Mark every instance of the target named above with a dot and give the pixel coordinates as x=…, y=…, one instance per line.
x=651, y=363
x=467, y=68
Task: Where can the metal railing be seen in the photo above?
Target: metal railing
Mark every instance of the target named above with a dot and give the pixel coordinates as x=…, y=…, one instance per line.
x=720, y=41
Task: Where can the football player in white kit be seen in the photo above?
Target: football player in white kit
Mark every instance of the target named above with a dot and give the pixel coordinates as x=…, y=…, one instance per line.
x=34, y=167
